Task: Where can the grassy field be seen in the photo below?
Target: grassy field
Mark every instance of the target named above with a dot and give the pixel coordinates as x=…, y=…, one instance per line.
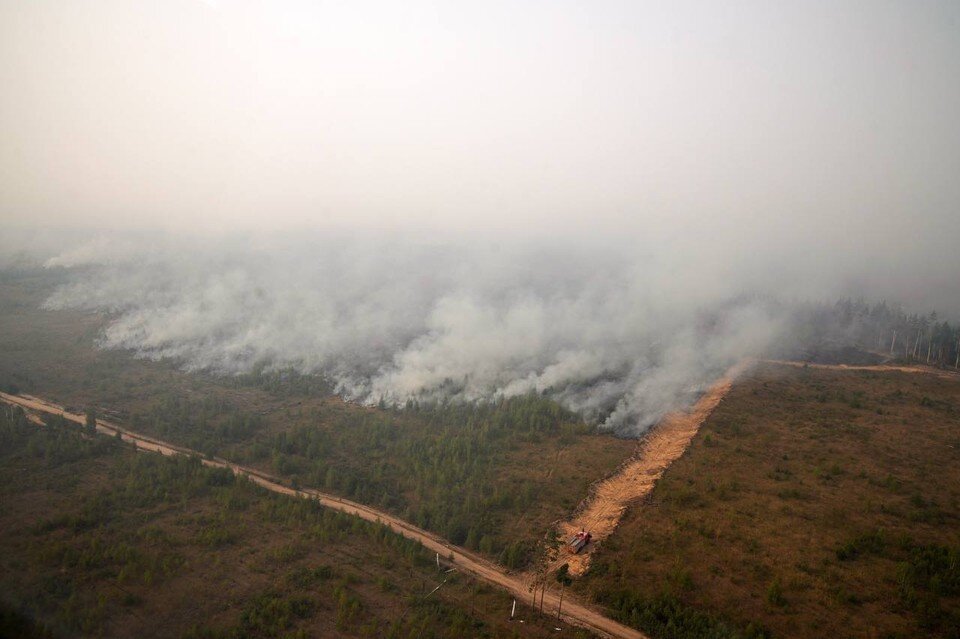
x=98, y=540
x=811, y=503
x=492, y=478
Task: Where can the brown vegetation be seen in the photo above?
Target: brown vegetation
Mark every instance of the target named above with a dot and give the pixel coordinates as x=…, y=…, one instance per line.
x=811, y=500
x=601, y=512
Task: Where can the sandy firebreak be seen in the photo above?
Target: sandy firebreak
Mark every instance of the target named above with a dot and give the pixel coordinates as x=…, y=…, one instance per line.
x=602, y=510
x=574, y=612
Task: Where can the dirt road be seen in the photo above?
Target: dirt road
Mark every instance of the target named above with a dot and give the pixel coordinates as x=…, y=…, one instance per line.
x=880, y=368
x=574, y=613
x=601, y=512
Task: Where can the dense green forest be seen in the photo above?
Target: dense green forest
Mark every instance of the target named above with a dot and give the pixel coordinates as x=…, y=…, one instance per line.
x=444, y=467
x=112, y=534
x=492, y=477
x=437, y=466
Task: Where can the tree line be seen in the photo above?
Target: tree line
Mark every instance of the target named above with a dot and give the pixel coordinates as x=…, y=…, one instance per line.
x=879, y=328
x=439, y=466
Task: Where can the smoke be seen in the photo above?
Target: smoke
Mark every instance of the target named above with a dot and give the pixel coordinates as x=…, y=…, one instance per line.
x=603, y=330
x=661, y=170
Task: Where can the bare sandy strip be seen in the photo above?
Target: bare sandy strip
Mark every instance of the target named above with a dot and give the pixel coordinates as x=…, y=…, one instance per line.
x=602, y=510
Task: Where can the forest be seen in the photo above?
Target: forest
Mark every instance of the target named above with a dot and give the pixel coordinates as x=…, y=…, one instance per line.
x=879, y=328
x=96, y=536
x=444, y=467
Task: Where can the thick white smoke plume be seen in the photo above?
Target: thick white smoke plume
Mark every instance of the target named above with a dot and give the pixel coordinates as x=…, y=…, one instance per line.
x=603, y=331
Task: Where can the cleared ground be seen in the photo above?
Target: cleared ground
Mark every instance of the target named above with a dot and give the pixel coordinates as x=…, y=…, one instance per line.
x=601, y=512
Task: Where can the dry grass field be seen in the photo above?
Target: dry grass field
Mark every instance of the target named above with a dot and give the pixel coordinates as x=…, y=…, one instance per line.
x=811, y=503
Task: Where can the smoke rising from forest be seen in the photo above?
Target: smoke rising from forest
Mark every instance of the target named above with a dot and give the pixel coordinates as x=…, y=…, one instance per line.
x=606, y=334
x=608, y=203
x=619, y=335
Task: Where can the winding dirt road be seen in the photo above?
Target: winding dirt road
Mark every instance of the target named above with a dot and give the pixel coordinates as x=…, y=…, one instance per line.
x=574, y=612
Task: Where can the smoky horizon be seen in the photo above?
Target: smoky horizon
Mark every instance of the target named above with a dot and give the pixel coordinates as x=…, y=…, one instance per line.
x=608, y=203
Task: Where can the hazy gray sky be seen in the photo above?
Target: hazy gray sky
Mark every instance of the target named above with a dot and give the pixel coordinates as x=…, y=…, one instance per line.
x=830, y=122
x=481, y=199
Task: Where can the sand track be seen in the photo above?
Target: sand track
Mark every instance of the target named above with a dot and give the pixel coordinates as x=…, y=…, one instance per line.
x=601, y=511
x=574, y=612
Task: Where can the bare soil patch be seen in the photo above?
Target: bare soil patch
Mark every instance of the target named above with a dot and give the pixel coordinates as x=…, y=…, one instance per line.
x=601, y=512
